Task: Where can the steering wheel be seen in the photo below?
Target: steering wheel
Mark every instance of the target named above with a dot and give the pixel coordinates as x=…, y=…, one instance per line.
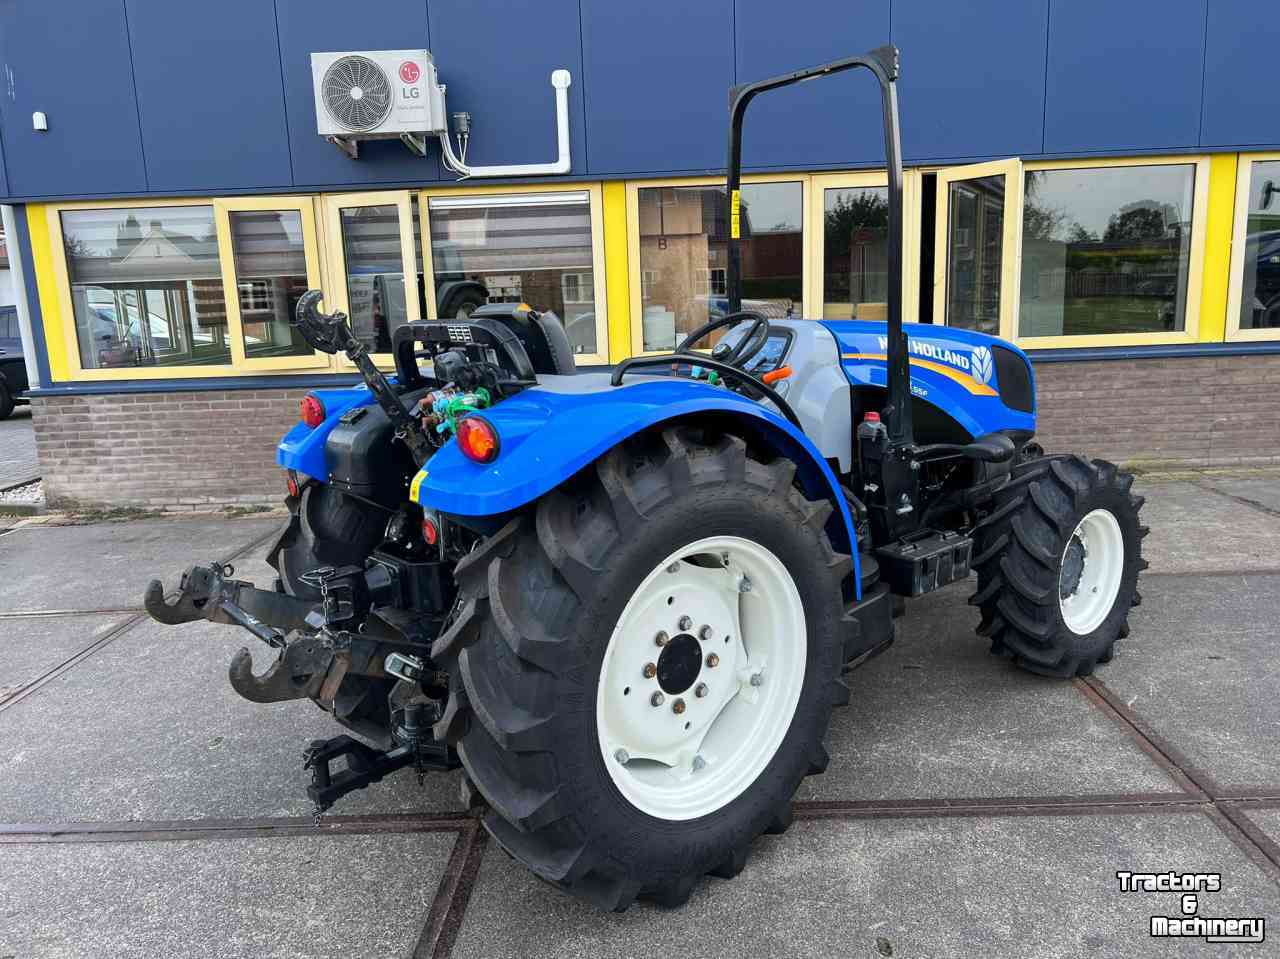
x=745, y=350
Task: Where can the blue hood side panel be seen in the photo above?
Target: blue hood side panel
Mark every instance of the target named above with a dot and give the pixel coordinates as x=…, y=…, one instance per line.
x=548, y=436
x=302, y=448
x=952, y=369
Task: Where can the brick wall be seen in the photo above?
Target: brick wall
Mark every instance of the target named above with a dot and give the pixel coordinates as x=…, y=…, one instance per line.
x=164, y=450
x=200, y=449
x=1202, y=411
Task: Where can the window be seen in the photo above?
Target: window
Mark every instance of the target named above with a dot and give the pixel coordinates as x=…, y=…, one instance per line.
x=372, y=253
x=1257, y=272
x=855, y=253
x=271, y=275
x=975, y=253
x=1106, y=250
x=146, y=287
x=683, y=255
x=535, y=248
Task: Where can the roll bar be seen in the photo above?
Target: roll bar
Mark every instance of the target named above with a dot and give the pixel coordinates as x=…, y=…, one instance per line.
x=883, y=62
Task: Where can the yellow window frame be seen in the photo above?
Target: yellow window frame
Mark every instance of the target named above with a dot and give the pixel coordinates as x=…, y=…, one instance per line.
x=1190, y=333
x=1011, y=259
x=337, y=296
x=633, y=240
x=815, y=242
x=1239, y=230
x=598, y=266
x=59, y=314
x=305, y=207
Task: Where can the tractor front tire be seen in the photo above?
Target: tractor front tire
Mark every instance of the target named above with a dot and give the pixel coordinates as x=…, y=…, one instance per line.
x=1058, y=559
x=626, y=736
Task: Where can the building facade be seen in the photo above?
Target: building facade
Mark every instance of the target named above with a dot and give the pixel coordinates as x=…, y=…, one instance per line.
x=1096, y=182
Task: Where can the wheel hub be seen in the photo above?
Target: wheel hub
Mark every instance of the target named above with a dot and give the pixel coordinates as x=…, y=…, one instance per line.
x=701, y=677
x=1091, y=571
x=1073, y=561
x=679, y=664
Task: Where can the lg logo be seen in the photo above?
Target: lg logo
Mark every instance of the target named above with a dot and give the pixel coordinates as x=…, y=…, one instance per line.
x=410, y=72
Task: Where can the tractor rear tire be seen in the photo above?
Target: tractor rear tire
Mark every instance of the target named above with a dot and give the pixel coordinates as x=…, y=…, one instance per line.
x=1058, y=559
x=537, y=671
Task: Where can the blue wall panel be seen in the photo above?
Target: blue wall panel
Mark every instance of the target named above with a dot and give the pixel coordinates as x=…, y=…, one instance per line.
x=656, y=77
x=71, y=60
x=317, y=26
x=1124, y=76
x=1240, y=88
x=496, y=58
x=972, y=84
x=209, y=94
x=834, y=121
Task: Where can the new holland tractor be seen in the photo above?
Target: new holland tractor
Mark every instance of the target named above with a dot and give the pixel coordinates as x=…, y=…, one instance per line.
x=625, y=602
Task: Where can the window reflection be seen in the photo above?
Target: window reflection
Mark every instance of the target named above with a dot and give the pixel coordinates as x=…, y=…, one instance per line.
x=855, y=249
x=683, y=256
x=975, y=249
x=1260, y=291
x=271, y=275
x=1106, y=250
x=535, y=249
x=146, y=287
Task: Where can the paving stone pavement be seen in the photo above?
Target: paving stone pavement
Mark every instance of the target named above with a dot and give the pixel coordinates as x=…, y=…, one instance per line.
x=968, y=809
x=18, y=462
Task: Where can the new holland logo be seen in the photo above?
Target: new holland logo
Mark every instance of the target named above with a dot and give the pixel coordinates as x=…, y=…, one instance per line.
x=981, y=367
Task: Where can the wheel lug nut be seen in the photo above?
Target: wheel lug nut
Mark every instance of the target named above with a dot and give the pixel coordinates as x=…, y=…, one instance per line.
x=705, y=633
x=650, y=670
x=678, y=707
x=661, y=639
x=685, y=623
x=713, y=660
x=657, y=699
x=622, y=756
x=757, y=679
x=700, y=690
x=698, y=763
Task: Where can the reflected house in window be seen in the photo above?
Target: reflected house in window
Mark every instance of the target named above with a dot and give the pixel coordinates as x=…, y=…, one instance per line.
x=146, y=287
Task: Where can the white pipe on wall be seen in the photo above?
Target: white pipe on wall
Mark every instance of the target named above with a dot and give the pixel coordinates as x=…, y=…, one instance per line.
x=560, y=80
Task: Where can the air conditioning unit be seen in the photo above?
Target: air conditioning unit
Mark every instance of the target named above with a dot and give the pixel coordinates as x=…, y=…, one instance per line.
x=377, y=94
x=396, y=94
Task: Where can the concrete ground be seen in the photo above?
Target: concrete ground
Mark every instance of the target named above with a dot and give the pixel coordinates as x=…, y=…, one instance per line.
x=17, y=449
x=968, y=810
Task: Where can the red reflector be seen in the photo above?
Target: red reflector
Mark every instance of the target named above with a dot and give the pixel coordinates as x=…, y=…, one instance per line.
x=478, y=439
x=293, y=483
x=313, y=413
x=872, y=417
x=429, y=531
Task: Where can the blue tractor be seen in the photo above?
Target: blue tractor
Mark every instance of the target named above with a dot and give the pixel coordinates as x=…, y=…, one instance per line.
x=624, y=602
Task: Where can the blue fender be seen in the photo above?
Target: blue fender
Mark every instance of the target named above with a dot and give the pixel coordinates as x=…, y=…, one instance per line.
x=546, y=436
x=302, y=448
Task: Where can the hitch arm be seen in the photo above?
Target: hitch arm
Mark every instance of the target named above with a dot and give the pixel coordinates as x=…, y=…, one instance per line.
x=206, y=592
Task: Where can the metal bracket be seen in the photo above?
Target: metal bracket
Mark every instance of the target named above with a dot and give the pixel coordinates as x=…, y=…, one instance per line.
x=417, y=144
x=350, y=147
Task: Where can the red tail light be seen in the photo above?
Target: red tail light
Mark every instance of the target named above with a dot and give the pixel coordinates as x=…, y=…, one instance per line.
x=292, y=482
x=478, y=439
x=430, y=532
x=313, y=413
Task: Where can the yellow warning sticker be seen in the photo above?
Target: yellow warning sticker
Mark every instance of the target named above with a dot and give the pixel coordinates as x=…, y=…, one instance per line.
x=735, y=214
x=416, y=485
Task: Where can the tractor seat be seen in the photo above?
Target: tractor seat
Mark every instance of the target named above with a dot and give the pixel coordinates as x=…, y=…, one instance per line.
x=541, y=334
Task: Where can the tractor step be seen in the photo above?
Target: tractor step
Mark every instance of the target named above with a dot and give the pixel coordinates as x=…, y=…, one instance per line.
x=365, y=765
x=925, y=561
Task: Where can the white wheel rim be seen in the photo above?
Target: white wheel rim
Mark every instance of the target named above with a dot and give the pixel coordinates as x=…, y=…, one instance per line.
x=681, y=765
x=1086, y=603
